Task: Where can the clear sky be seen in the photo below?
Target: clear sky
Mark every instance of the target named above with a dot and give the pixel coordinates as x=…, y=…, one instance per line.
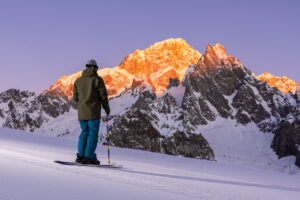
x=42, y=40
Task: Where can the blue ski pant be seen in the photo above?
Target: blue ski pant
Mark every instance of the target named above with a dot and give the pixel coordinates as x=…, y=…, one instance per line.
x=88, y=138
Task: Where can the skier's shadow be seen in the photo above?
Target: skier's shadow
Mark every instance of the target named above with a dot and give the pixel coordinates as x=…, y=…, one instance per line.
x=273, y=187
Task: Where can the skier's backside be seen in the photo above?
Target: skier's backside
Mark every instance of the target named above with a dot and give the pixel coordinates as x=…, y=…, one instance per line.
x=89, y=94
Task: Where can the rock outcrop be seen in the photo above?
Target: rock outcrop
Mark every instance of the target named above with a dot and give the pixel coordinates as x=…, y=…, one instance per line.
x=156, y=124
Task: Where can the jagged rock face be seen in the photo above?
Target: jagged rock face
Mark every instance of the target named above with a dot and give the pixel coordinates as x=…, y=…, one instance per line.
x=161, y=61
x=284, y=84
x=287, y=140
x=216, y=57
x=220, y=86
x=26, y=111
x=156, y=124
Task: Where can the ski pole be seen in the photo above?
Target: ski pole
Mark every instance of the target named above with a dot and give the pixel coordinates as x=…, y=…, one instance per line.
x=108, y=153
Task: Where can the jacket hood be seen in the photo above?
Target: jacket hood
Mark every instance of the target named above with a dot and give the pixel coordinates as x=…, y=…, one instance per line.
x=90, y=71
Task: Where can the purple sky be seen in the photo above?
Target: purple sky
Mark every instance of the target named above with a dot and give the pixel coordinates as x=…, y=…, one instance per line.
x=42, y=40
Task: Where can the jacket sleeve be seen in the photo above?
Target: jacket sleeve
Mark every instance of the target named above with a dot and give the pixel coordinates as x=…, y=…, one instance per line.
x=75, y=93
x=103, y=95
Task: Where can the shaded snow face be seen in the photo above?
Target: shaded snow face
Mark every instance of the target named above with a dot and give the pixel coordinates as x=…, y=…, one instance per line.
x=177, y=93
x=124, y=101
x=243, y=145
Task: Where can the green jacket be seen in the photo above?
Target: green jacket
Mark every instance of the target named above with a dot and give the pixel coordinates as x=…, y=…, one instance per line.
x=89, y=94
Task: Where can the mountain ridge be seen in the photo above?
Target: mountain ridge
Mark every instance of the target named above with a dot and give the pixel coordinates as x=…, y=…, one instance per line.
x=284, y=84
x=147, y=65
x=156, y=64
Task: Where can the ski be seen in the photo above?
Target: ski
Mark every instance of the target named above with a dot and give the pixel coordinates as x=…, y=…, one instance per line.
x=113, y=165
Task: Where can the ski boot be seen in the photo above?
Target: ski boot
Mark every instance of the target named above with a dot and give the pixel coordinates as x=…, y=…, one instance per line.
x=79, y=158
x=91, y=161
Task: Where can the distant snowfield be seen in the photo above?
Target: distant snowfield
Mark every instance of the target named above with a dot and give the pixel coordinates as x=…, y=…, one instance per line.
x=27, y=171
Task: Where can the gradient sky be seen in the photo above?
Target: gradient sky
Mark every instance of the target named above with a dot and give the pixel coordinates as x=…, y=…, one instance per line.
x=42, y=40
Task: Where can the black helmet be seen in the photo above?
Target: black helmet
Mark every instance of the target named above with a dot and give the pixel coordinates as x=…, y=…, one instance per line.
x=91, y=63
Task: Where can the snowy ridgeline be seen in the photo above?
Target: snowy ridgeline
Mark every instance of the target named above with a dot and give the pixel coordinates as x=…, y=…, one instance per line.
x=28, y=172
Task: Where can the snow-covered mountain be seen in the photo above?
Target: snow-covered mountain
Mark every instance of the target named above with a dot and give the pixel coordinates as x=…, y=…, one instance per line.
x=186, y=107
x=161, y=61
x=283, y=84
x=27, y=111
x=220, y=87
x=217, y=93
x=156, y=64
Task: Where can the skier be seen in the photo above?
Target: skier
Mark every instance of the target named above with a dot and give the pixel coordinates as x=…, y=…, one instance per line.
x=89, y=94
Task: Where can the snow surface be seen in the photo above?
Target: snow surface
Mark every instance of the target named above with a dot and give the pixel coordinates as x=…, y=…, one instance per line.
x=177, y=92
x=245, y=145
x=122, y=102
x=27, y=171
x=66, y=125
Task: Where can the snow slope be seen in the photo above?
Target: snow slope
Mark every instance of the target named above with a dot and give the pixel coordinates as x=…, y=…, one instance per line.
x=245, y=145
x=27, y=171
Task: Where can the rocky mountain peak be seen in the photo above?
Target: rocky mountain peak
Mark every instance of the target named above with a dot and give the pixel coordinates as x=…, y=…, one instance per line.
x=161, y=61
x=216, y=57
x=156, y=64
x=284, y=84
x=170, y=44
x=266, y=73
x=216, y=51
